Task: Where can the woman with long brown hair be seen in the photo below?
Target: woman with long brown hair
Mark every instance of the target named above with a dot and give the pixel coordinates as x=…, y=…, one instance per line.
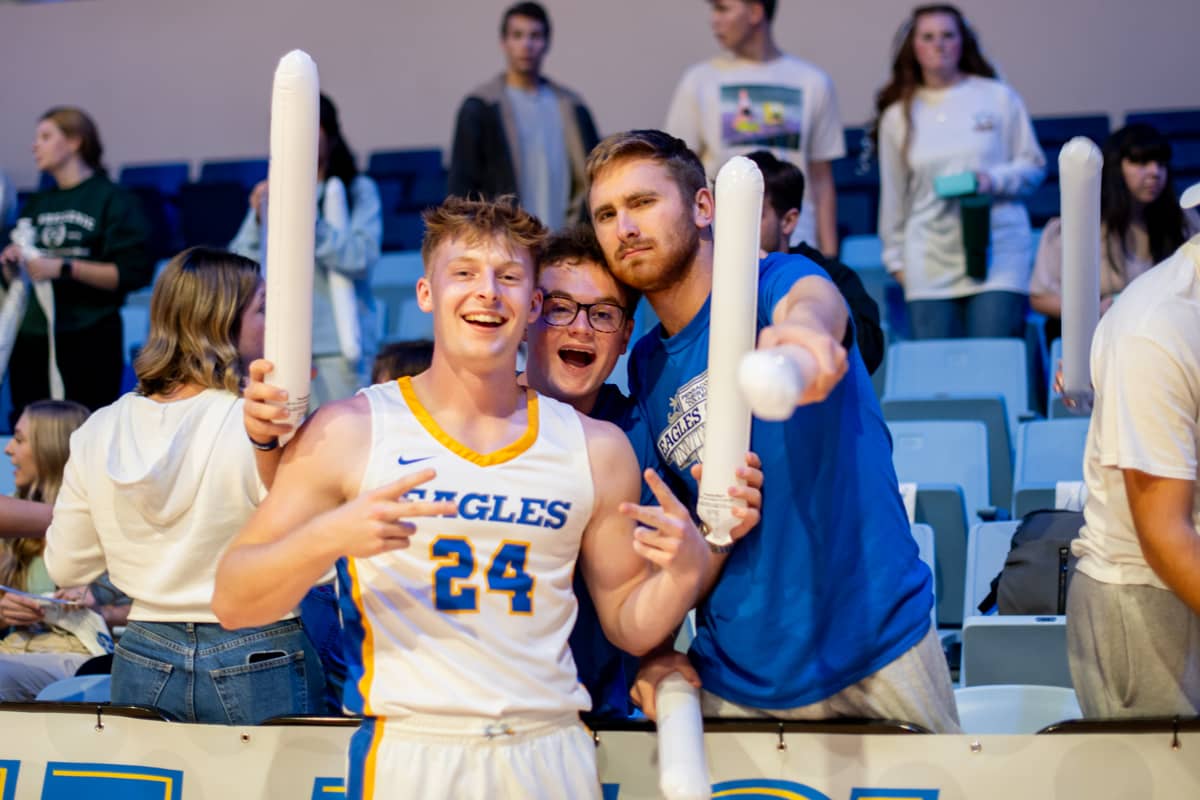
x=92, y=241
x=956, y=152
x=33, y=655
x=157, y=485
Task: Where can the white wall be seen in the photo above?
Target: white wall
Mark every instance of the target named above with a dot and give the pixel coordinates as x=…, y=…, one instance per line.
x=170, y=79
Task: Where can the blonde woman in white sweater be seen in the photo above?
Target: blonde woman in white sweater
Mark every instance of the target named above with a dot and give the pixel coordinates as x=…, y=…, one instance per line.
x=944, y=113
x=158, y=484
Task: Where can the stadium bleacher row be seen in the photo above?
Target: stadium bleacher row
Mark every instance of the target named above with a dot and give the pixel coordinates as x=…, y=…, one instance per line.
x=207, y=210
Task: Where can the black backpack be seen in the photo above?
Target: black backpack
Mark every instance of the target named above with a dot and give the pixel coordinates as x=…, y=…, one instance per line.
x=1038, y=569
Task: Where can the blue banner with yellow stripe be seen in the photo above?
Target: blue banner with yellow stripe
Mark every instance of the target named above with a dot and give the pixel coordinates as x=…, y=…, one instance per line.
x=67, y=780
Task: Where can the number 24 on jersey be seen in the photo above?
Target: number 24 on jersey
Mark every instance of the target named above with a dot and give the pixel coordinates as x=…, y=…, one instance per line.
x=505, y=574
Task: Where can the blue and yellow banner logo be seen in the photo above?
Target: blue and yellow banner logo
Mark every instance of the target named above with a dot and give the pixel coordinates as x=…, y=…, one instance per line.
x=9, y=770
x=328, y=788
x=69, y=781
x=759, y=789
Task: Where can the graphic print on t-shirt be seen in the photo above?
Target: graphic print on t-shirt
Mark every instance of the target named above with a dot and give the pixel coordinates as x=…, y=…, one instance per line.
x=756, y=115
x=683, y=440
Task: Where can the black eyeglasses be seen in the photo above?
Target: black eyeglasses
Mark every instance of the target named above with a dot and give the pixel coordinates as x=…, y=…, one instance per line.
x=603, y=317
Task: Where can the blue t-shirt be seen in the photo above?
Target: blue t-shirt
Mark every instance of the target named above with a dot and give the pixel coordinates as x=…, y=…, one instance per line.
x=828, y=588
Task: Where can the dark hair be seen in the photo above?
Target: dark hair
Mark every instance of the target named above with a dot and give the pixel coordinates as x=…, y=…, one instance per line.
x=533, y=11
x=1139, y=143
x=783, y=182
x=768, y=8
x=76, y=124
x=673, y=153
x=341, y=161
x=906, y=72
x=401, y=359
x=577, y=244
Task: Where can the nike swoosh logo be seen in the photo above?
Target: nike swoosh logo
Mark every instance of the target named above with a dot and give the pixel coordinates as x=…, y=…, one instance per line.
x=405, y=462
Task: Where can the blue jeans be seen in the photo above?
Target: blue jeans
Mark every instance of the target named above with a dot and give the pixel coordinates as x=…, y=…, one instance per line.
x=987, y=314
x=319, y=613
x=200, y=672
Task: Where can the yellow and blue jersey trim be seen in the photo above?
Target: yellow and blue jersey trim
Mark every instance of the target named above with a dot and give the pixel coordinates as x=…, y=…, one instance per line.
x=505, y=454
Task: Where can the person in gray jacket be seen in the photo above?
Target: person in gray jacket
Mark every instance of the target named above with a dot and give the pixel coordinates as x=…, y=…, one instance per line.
x=520, y=133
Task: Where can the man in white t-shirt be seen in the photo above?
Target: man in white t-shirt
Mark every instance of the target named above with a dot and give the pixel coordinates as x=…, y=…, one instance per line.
x=755, y=96
x=1133, y=614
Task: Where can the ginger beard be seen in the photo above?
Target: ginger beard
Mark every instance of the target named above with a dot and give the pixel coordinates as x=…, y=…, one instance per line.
x=651, y=243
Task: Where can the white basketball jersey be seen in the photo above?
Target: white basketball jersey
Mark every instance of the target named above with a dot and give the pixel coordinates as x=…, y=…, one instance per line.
x=473, y=617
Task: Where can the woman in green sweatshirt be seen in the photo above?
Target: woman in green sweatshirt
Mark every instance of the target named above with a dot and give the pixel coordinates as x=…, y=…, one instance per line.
x=91, y=238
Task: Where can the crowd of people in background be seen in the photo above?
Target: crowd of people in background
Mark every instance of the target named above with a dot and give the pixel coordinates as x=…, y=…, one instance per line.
x=160, y=481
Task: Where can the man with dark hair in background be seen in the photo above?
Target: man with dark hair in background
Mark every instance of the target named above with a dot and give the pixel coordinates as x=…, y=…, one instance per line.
x=520, y=133
x=756, y=96
x=783, y=197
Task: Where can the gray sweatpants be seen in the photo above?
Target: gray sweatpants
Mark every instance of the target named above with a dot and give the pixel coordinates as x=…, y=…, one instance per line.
x=913, y=688
x=1134, y=650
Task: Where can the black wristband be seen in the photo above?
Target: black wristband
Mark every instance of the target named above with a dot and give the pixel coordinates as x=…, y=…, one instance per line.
x=67, y=271
x=265, y=447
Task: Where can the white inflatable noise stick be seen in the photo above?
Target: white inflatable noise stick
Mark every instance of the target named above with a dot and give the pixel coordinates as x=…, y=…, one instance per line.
x=1079, y=166
x=734, y=310
x=291, y=229
x=682, y=767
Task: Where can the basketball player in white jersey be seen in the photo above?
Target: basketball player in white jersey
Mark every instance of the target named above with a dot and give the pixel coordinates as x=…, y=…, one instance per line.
x=454, y=505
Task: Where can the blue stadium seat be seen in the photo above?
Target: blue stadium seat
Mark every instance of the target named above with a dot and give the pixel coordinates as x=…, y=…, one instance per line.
x=402, y=230
x=404, y=163
x=210, y=213
x=855, y=139
x=163, y=218
x=1174, y=123
x=862, y=252
x=988, y=544
x=8, y=484
x=942, y=508
x=926, y=551
x=944, y=451
x=425, y=190
x=961, y=367
x=393, y=282
x=1060, y=130
x=1014, y=708
x=1053, y=132
x=166, y=177
x=850, y=173
x=988, y=409
x=1185, y=157
x=856, y=212
x=78, y=689
x=1043, y=204
x=1015, y=649
x=1048, y=451
x=245, y=172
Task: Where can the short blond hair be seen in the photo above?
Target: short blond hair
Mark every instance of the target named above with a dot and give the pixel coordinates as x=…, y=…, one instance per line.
x=195, y=319
x=474, y=221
